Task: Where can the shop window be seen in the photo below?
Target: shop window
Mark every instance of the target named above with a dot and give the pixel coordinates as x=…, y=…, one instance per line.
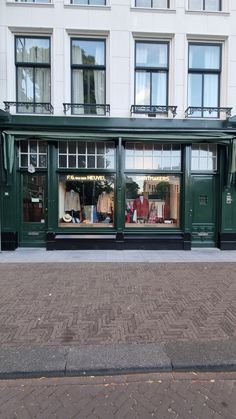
x=86, y=155
x=33, y=75
x=32, y=154
x=86, y=200
x=88, y=75
x=208, y=5
x=152, y=156
x=204, y=157
x=204, y=79
x=152, y=201
x=164, y=4
x=151, y=73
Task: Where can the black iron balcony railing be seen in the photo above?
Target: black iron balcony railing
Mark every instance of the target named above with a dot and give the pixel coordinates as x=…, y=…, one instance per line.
x=29, y=107
x=86, y=109
x=153, y=110
x=207, y=112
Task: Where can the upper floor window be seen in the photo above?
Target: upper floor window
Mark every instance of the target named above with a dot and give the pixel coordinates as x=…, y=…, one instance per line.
x=88, y=75
x=151, y=73
x=89, y=2
x=158, y=4
x=208, y=5
x=33, y=75
x=204, y=68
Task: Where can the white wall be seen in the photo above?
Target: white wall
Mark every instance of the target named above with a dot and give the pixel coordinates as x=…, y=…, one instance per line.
x=120, y=24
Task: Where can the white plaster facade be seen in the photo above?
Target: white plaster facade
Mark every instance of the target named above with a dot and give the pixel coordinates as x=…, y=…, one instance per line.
x=120, y=23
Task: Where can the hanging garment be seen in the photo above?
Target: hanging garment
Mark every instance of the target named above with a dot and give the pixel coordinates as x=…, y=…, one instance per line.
x=72, y=201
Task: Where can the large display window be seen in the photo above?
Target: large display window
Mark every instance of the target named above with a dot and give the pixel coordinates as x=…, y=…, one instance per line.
x=152, y=201
x=86, y=200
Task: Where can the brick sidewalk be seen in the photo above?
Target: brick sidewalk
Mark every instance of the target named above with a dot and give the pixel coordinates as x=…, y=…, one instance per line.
x=95, y=303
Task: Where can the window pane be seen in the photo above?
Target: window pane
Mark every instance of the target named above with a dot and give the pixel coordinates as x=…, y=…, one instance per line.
x=32, y=50
x=97, y=2
x=89, y=52
x=213, y=5
x=42, y=160
x=210, y=97
x=25, y=86
x=81, y=147
x=142, y=88
x=33, y=146
x=81, y=162
x=151, y=54
x=91, y=162
x=100, y=148
x=72, y=161
x=84, y=202
x=24, y=160
x=159, y=88
x=152, y=201
x=24, y=146
x=110, y=164
x=143, y=3
x=195, y=4
x=100, y=162
x=91, y=148
x=72, y=147
x=160, y=3
x=62, y=161
x=42, y=147
x=42, y=85
x=62, y=147
x=204, y=56
x=195, y=91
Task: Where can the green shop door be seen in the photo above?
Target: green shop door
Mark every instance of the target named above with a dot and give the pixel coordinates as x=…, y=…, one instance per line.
x=203, y=211
x=33, y=210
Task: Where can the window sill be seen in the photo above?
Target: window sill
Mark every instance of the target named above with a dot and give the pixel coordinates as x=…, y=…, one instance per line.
x=30, y=4
x=152, y=9
x=206, y=12
x=86, y=7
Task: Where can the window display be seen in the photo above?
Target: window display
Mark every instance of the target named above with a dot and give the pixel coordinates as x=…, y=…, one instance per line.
x=86, y=200
x=152, y=200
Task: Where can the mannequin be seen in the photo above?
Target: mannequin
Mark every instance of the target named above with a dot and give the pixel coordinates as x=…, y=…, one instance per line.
x=153, y=214
x=72, y=203
x=104, y=207
x=141, y=204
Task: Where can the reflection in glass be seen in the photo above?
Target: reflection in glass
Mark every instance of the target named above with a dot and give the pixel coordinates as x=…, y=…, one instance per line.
x=86, y=200
x=152, y=201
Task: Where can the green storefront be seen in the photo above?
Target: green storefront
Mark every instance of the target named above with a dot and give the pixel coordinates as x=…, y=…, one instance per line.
x=115, y=183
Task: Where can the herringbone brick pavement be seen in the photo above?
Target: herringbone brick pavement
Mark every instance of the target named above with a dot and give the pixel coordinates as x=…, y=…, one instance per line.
x=161, y=396
x=103, y=303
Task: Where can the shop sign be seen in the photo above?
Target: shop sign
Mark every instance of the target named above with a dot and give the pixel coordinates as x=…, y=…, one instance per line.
x=85, y=178
x=203, y=234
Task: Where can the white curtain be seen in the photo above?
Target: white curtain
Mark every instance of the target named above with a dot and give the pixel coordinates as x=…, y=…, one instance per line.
x=142, y=88
x=77, y=79
x=99, y=84
x=210, y=93
x=159, y=89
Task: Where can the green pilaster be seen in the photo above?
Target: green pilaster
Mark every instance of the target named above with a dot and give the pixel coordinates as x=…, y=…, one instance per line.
x=186, y=195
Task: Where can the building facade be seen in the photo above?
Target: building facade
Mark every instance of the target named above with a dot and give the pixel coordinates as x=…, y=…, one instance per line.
x=117, y=124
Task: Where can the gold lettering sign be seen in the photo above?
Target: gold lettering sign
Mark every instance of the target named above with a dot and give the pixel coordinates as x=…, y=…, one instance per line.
x=85, y=177
x=157, y=178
